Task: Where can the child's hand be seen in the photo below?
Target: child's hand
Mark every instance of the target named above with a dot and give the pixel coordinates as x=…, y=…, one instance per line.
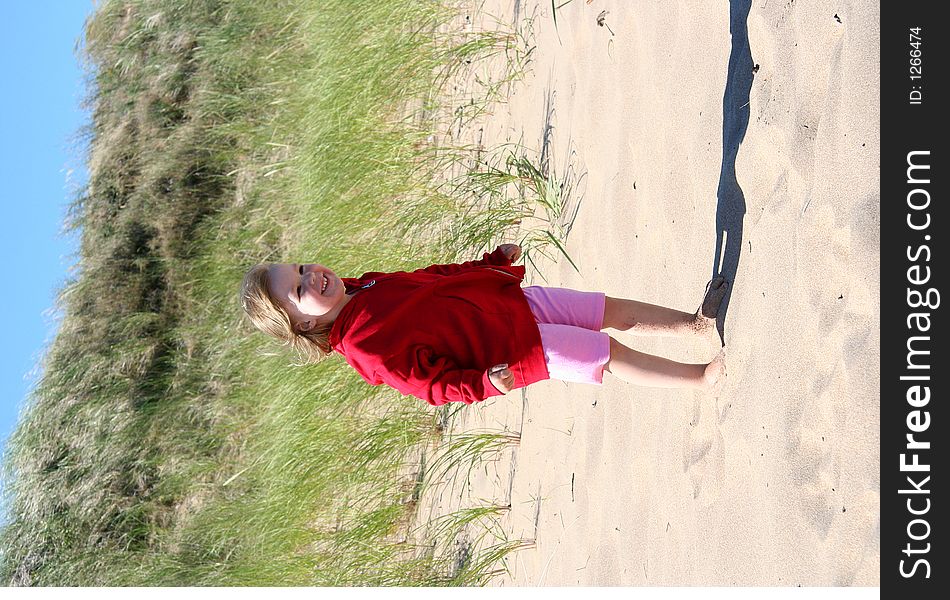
x=512, y=251
x=502, y=378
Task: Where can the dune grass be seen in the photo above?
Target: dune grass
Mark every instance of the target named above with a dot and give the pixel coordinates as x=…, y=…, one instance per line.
x=168, y=444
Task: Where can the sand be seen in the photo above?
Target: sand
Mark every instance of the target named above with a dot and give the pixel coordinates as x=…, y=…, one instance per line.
x=673, y=138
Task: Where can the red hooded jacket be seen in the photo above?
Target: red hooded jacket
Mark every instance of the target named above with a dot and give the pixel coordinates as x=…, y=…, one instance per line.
x=433, y=333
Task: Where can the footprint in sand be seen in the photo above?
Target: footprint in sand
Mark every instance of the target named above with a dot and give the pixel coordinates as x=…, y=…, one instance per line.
x=809, y=457
x=844, y=518
x=703, y=450
x=852, y=539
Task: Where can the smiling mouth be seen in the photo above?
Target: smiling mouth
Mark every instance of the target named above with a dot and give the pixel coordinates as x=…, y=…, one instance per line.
x=326, y=282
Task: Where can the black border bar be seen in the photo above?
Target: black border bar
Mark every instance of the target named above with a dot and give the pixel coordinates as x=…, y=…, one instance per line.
x=914, y=368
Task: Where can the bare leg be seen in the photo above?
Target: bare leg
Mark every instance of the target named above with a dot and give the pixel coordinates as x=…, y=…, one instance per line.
x=642, y=318
x=654, y=371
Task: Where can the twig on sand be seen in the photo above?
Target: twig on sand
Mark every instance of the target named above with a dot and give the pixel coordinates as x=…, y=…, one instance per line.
x=602, y=21
x=807, y=202
x=554, y=14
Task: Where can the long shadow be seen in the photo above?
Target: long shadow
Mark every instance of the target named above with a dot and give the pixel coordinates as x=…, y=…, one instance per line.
x=731, y=207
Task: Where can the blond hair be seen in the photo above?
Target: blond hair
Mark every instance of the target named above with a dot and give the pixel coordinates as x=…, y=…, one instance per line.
x=270, y=317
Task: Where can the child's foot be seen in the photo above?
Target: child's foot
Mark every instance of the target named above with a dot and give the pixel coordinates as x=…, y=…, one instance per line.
x=714, y=377
x=705, y=317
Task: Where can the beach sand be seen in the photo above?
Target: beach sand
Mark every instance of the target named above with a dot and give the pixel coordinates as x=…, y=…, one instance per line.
x=686, y=123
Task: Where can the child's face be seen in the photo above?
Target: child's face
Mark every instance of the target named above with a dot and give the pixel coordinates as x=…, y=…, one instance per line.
x=307, y=293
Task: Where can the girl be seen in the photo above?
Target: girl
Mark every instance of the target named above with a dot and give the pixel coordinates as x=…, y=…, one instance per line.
x=467, y=332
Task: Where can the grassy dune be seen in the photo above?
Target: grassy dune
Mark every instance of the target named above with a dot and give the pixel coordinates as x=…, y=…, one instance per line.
x=168, y=444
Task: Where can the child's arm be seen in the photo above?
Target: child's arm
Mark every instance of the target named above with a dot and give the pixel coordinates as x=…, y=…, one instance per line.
x=503, y=256
x=436, y=379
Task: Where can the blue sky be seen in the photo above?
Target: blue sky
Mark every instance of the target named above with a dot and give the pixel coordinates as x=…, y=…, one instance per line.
x=40, y=120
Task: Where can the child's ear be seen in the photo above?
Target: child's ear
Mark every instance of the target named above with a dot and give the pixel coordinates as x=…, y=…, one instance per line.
x=306, y=326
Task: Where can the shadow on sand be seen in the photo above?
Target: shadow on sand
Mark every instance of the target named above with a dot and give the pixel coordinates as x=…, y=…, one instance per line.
x=731, y=207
